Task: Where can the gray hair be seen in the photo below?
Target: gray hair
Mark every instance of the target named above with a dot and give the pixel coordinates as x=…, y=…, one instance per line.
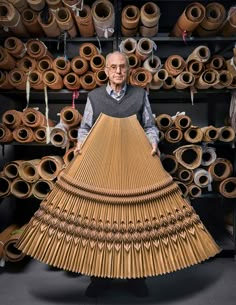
x=117, y=52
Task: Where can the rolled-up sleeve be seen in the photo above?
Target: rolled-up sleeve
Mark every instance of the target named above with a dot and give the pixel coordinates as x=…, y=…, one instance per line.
x=86, y=123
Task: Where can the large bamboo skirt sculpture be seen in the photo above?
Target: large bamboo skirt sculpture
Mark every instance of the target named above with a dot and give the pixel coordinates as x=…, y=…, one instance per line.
x=115, y=212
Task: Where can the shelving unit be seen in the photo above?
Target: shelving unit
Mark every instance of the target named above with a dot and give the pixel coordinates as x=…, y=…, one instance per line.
x=209, y=107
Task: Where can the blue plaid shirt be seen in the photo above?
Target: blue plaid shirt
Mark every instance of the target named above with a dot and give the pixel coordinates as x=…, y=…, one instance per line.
x=87, y=121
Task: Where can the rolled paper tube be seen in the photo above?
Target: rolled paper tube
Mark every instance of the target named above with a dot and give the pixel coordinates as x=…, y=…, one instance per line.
x=88, y=50
x=100, y=77
x=140, y=77
x=37, y=49
x=10, y=19
x=4, y=235
x=31, y=22
x=15, y=46
x=214, y=18
x=61, y=65
x=28, y=170
x=65, y=21
x=220, y=169
x=50, y=166
x=70, y=116
x=88, y=81
x=12, y=118
x=210, y=133
x=36, y=80
x=11, y=253
x=21, y=188
x=54, y=4
x=19, y=4
x=231, y=64
x=53, y=80
x=128, y=46
x=152, y=64
x=226, y=134
x=183, y=187
x=36, y=5
x=174, y=65
x=158, y=79
x=216, y=62
x=169, y=82
x=202, y=178
x=227, y=187
x=129, y=32
x=26, y=63
x=189, y=156
x=130, y=17
x=5, y=186
x=84, y=22
x=185, y=175
x=41, y=188
x=7, y=61
x=45, y=63
x=182, y=121
x=79, y=65
x=208, y=155
x=58, y=136
x=71, y=81
x=149, y=14
x=228, y=27
x=4, y=81
x=194, y=191
x=73, y=134
x=11, y=169
x=40, y=134
x=173, y=135
x=134, y=61
x=200, y=53
x=233, y=84
x=195, y=67
x=169, y=163
x=184, y=80
x=207, y=79
x=49, y=27
x=188, y=21
x=225, y=79
x=18, y=78
x=97, y=62
x=103, y=14
x=68, y=156
x=164, y=121
x=161, y=135
x=148, y=32
x=23, y=134
x=144, y=48
x=34, y=118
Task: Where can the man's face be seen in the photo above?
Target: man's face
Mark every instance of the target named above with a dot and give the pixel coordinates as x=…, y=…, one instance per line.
x=116, y=69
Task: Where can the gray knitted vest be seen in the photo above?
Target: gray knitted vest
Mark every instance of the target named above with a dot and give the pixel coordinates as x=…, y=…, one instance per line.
x=131, y=103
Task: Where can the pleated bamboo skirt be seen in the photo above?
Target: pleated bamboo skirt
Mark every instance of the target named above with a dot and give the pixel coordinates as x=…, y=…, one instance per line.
x=115, y=212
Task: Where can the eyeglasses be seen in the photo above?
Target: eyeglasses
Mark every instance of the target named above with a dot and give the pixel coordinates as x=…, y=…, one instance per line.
x=113, y=68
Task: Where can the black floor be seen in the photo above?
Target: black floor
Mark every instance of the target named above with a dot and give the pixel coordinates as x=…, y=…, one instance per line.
x=33, y=283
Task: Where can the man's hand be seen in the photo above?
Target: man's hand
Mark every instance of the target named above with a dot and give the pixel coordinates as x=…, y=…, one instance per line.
x=155, y=150
x=77, y=149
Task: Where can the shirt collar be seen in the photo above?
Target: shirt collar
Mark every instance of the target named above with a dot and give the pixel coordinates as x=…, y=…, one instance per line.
x=111, y=92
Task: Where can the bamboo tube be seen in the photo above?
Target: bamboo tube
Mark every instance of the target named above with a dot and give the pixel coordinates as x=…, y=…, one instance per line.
x=227, y=187
x=70, y=116
x=11, y=169
x=61, y=65
x=28, y=170
x=220, y=169
x=41, y=188
x=5, y=186
x=50, y=166
x=84, y=22
x=4, y=81
x=12, y=118
x=15, y=46
x=21, y=188
x=5, y=134
x=23, y=134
